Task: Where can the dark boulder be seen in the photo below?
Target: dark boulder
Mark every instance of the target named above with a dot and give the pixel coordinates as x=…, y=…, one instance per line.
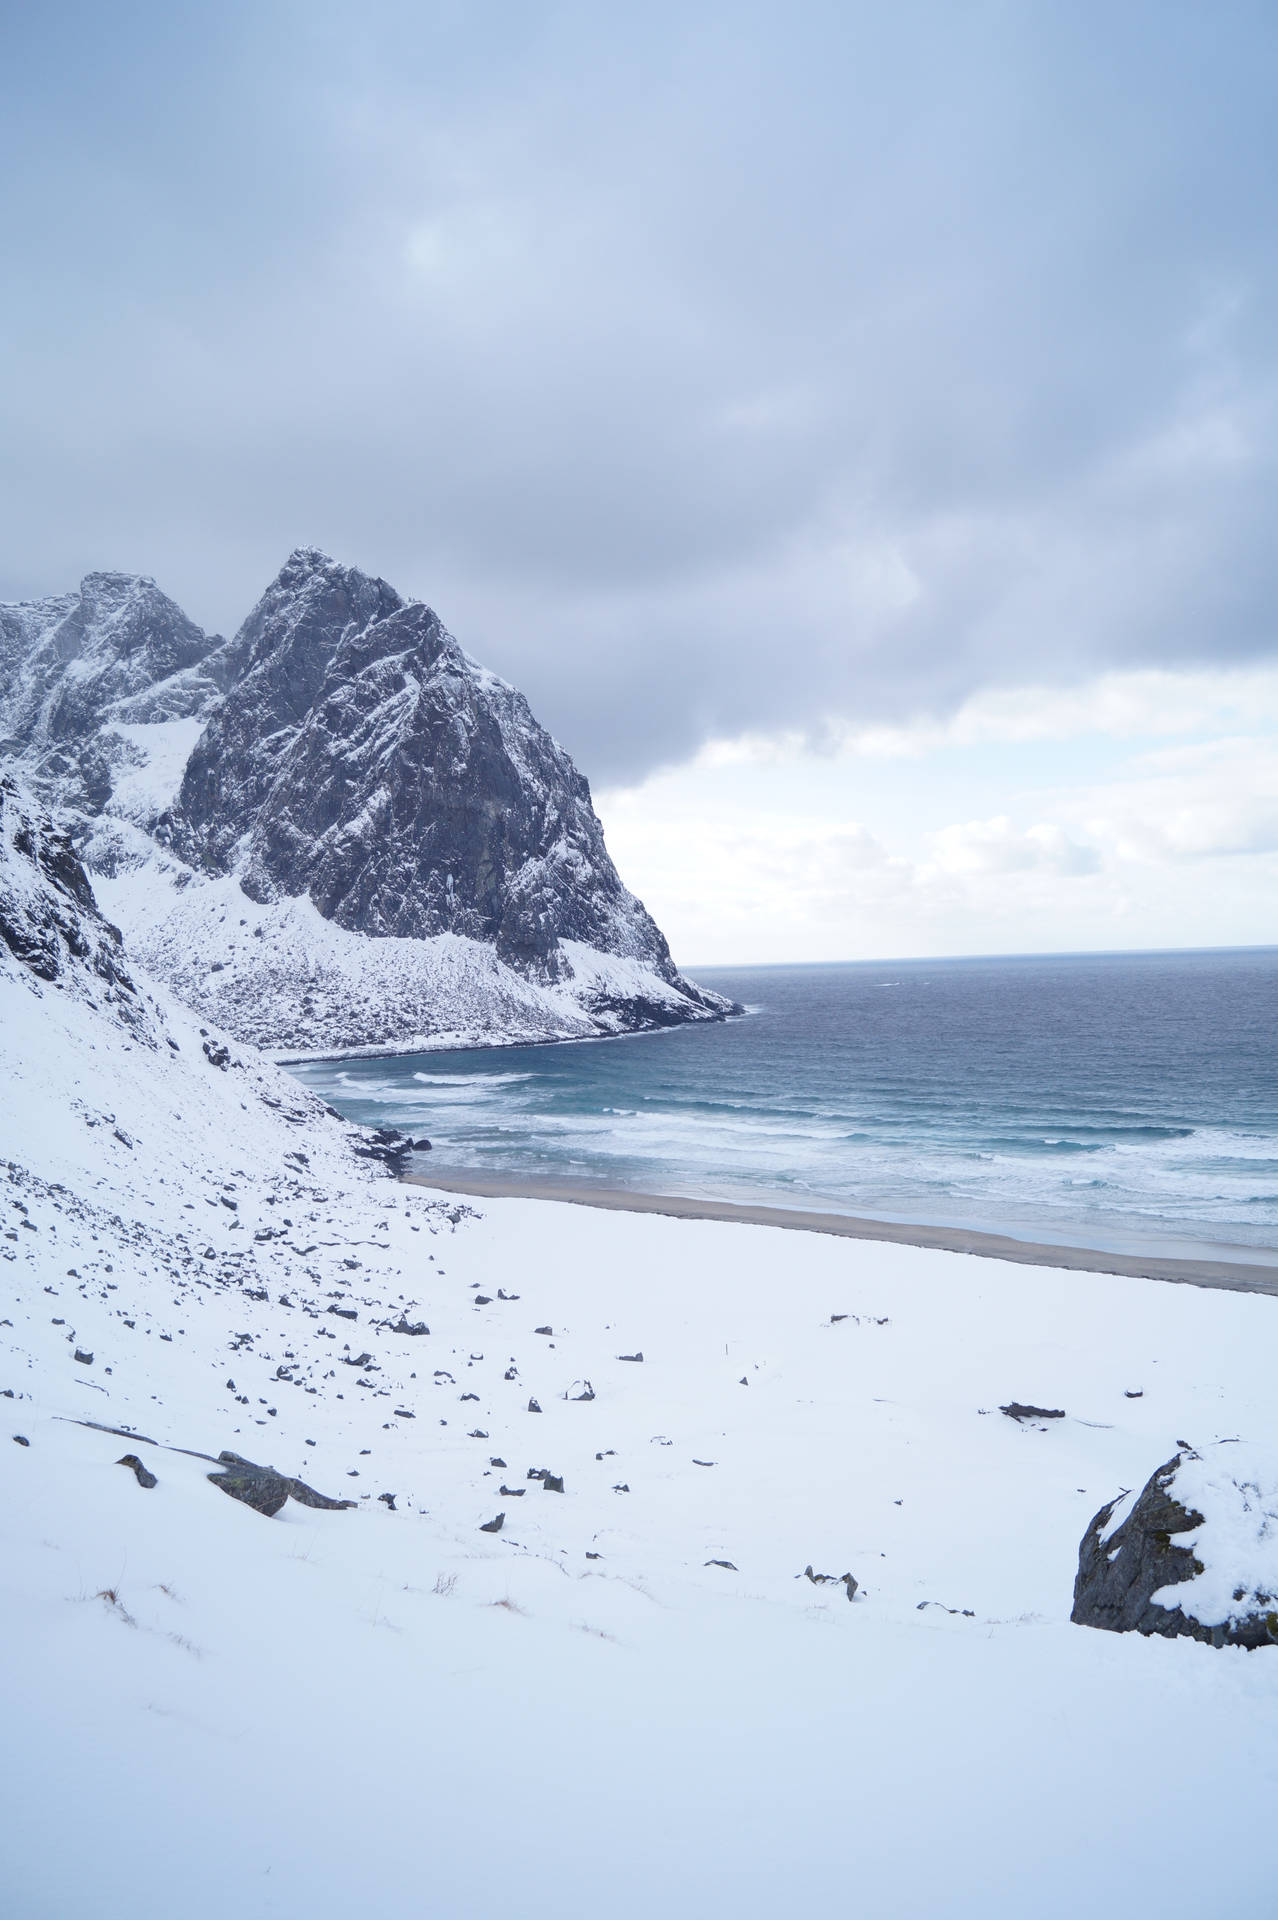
x=143, y=1475
x=265, y=1489
x=1120, y=1569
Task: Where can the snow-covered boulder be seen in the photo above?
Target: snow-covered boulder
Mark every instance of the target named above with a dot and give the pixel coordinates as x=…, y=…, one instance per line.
x=1195, y=1552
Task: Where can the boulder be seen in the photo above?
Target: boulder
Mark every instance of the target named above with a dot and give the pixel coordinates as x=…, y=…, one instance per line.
x=1192, y=1554
x=265, y=1489
x=142, y=1474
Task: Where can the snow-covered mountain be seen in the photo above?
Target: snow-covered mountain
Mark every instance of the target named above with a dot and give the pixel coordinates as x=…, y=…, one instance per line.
x=334, y=831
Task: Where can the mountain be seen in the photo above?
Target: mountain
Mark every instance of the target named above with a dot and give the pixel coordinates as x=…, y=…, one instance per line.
x=334, y=831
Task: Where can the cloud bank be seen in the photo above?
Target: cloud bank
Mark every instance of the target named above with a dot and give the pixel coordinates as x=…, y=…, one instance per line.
x=712, y=370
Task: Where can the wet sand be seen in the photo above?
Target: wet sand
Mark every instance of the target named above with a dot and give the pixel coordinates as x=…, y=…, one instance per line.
x=1236, y=1276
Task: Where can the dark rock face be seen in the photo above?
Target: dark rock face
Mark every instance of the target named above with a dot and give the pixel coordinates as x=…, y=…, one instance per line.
x=141, y=1473
x=264, y=1489
x=1118, y=1575
x=274, y=670
x=362, y=758
x=49, y=919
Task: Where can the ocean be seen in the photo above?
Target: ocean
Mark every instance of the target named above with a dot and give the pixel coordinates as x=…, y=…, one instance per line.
x=1124, y=1101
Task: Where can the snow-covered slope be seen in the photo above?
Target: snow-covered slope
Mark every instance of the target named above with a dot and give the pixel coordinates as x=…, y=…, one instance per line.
x=428, y=856
x=633, y=1697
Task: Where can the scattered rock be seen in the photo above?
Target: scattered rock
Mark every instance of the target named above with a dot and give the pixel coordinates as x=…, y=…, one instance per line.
x=389, y=1498
x=143, y=1475
x=494, y=1526
x=85, y=1359
x=533, y=1407
x=22, y=1440
x=416, y=1328
x=845, y=1580
x=1015, y=1411
x=630, y=1356
x=729, y=1564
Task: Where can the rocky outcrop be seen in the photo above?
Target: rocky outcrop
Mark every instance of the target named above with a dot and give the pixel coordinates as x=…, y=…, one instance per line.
x=265, y=1489
x=1142, y=1566
x=49, y=920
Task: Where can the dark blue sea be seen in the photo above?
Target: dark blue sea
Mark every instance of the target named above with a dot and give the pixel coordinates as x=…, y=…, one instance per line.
x=1124, y=1101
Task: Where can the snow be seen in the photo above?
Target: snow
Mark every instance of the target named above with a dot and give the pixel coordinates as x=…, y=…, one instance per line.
x=149, y=781
x=261, y=969
x=394, y=1713
x=1235, y=1488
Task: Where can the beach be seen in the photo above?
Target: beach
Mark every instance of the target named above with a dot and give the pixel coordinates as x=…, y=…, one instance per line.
x=1242, y=1274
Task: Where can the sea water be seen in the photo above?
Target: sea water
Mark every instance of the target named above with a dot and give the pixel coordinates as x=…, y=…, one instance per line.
x=1124, y=1101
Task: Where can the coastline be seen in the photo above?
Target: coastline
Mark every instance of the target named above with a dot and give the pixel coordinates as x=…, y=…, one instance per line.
x=1233, y=1276
x=473, y=1043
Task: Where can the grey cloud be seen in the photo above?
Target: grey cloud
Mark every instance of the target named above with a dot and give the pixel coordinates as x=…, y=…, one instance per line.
x=723, y=368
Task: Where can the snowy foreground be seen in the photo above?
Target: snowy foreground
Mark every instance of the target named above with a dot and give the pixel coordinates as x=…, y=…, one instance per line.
x=392, y=1713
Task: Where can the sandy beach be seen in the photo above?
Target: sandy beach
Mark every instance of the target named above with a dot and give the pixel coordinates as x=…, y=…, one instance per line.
x=1238, y=1276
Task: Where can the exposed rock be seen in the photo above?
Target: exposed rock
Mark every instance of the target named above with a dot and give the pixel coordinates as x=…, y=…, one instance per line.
x=143, y=1475
x=1126, y=1566
x=265, y=1489
x=387, y=1144
x=49, y=920
x=1016, y=1411
x=75, y=667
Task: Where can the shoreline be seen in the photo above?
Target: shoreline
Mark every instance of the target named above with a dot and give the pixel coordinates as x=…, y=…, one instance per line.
x=424, y=1044
x=1233, y=1276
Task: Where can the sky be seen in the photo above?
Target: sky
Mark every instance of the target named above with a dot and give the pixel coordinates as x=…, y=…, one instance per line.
x=853, y=427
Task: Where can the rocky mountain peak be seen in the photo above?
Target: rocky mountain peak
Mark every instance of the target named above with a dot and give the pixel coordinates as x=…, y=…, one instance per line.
x=341, y=755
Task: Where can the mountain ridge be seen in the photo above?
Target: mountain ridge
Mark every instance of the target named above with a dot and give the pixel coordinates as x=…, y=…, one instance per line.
x=341, y=774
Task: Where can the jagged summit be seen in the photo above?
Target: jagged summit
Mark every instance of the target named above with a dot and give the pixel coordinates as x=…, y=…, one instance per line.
x=343, y=755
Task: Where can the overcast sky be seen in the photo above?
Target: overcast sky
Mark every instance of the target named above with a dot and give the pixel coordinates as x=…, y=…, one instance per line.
x=852, y=425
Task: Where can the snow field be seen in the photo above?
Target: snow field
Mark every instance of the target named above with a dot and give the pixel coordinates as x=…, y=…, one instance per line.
x=394, y=1713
